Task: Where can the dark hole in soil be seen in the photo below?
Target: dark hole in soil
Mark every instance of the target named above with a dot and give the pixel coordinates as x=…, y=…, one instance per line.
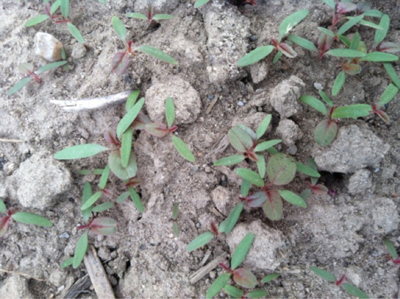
x=127, y=265
x=332, y=180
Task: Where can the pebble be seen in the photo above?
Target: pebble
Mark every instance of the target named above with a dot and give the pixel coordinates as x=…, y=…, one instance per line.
x=78, y=51
x=211, y=97
x=253, y=38
x=48, y=47
x=64, y=235
x=292, y=150
x=240, y=103
x=318, y=85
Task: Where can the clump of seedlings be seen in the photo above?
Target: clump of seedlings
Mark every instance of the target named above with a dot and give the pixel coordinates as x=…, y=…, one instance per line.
x=150, y=16
x=282, y=48
x=326, y=130
x=49, y=13
x=352, y=290
x=28, y=69
x=121, y=59
x=22, y=217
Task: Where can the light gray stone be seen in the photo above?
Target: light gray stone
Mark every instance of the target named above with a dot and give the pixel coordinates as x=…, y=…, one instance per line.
x=259, y=71
x=385, y=217
x=78, y=51
x=48, y=47
x=221, y=199
x=354, y=148
x=268, y=249
x=186, y=100
x=15, y=287
x=360, y=181
x=288, y=131
x=285, y=97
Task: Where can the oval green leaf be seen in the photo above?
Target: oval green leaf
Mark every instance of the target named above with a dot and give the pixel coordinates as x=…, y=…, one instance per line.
x=257, y=294
x=159, y=17
x=19, y=85
x=80, y=250
x=76, y=33
x=36, y=20
x=245, y=278
x=132, y=98
x=136, y=199
x=88, y=203
x=231, y=160
x=270, y=277
x=200, y=3
x=380, y=57
x=51, y=66
x=338, y=84
x=65, y=8
x=217, y=285
x=307, y=170
x=352, y=290
x=325, y=132
x=156, y=53
x=302, y=42
x=29, y=218
x=255, y=56
x=266, y=145
x=119, y=27
x=390, y=247
x=250, y=176
x=169, y=111
x=129, y=117
x=103, y=207
x=200, y=241
x=290, y=21
x=103, y=226
x=324, y=274
x=241, y=250
x=124, y=173
x=293, y=198
x=233, y=291
x=262, y=128
x=136, y=15
x=314, y=102
x=229, y=223
x=352, y=111
x=240, y=139
x=346, y=53
x=67, y=262
x=86, y=194
x=273, y=206
x=261, y=165
x=126, y=147
x=3, y=208
x=392, y=74
x=381, y=34
x=281, y=169
x=183, y=149
x=80, y=151
x=123, y=197
x=350, y=23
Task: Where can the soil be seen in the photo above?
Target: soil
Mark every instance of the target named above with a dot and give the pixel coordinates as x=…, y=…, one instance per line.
x=341, y=232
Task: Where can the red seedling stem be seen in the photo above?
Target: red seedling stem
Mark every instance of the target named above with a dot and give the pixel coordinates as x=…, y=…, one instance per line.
x=214, y=229
x=341, y=280
x=226, y=268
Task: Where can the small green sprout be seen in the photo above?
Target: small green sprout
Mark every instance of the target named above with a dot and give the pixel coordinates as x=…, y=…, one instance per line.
x=392, y=251
x=28, y=69
x=151, y=17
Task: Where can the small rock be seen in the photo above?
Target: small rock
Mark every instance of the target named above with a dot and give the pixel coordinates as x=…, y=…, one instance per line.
x=211, y=97
x=385, y=217
x=221, y=199
x=57, y=277
x=292, y=150
x=318, y=85
x=64, y=235
x=285, y=97
x=259, y=71
x=360, y=181
x=266, y=253
x=240, y=103
x=48, y=47
x=15, y=287
x=288, y=131
x=78, y=51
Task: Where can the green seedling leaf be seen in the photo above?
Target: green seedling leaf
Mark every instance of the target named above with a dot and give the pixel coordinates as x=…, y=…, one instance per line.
x=324, y=274
x=266, y=145
x=255, y=55
x=169, y=111
x=50, y=66
x=200, y=3
x=136, y=15
x=245, y=278
x=370, y=24
x=103, y=207
x=241, y=250
x=353, y=111
x=305, y=194
x=128, y=119
x=119, y=28
x=338, y=84
x=104, y=177
x=352, y=290
x=314, y=102
x=19, y=85
x=270, y=277
x=3, y=208
x=29, y=218
x=392, y=74
x=103, y=226
x=281, y=169
x=352, y=68
x=126, y=147
x=218, y=284
x=302, y=42
x=136, y=199
x=175, y=211
x=307, y=170
x=157, y=130
x=87, y=193
x=36, y=20
x=76, y=33
x=346, y=53
x=124, y=173
x=123, y=197
x=380, y=57
x=355, y=42
x=55, y=6
x=256, y=200
x=79, y=151
x=287, y=50
x=257, y=294
x=67, y=262
x=156, y=53
x=80, y=250
x=88, y=203
x=65, y=8
x=159, y=17
x=183, y=149
x=200, y=241
x=373, y=13
x=248, y=131
x=326, y=31
x=326, y=99
x=277, y=57
x=240, y=139
x=132, y=98
x=273, y=206
x=233, y=291
x=244, y=188
x=330, y=3
x=26, y=68
x=390, y=247
x=389, y=47
x=290, y=21
x=350, y=23
x=175, y=228
x=261, y=165
x=325, y=132
x=262, y=128
x=250, y=176
x=346, y=41
x=311, y=164
x=120, y=62
x=293, y=198
x=229, y=223
x=381, y=34
x=231, y=160
x=388, y=95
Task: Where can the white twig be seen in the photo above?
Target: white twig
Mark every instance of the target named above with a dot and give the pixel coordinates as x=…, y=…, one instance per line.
x=93, y=103
x=203, y=271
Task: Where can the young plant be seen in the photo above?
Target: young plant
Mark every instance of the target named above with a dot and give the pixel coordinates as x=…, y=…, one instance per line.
x=175, y=212
x=57, y=18
x=121, y=59
x=203, y=239
x=352, y=290
x=28, y=69
x=282, y=48
x=249, y=145
x=22, y=217
x=151, y=17
x=394, y=257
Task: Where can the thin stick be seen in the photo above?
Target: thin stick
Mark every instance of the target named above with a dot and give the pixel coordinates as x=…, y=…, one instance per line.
x=203, y=271
x=11, y=140
x=23, y=274
x=93, y=103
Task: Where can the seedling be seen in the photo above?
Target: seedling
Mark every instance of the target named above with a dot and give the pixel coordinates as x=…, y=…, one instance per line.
x=282, y=48
x=394, y=257
x=150, y=16
x=175, y=212
x=121, y=59
x=57, y=18
x=352, y=290
x=22, y=217
x=28, y=69
x=203, y=239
